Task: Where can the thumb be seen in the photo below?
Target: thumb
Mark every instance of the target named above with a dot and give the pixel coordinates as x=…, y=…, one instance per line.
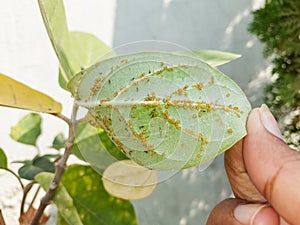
x=273, y=167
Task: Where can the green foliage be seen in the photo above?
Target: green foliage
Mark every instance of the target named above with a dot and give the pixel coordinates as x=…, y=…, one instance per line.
x=93, y=146
x=159, y=109
x=75, y=50
x=37, y=165
x=27, y=130
x=59, y=141
x=3, y=159
x=277, y=25
x=167, y=103
x=87, y=200
x=62, y=199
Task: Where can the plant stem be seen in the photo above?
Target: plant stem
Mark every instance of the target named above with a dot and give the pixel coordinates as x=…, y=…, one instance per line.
x=2, y=222
x=60, y=168
x=62, y=117
x=25, y=192
x=15, y=175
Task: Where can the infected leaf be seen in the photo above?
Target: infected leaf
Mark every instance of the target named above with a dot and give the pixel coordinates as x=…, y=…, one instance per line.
x=128, y=180
x=164, y=111
x=93, y=146
x=17, y=95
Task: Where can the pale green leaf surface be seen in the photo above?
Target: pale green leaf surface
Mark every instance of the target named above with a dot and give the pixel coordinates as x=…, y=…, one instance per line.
x=61, y=198
x=165, y=111
x=212, y=57
x=18, y=95
x=27, y=130
x=75, y=50
x=3, y=159
x=93, y=146
x=93, y=203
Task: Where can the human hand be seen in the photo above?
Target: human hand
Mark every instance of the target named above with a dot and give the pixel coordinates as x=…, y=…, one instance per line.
x=264, y=174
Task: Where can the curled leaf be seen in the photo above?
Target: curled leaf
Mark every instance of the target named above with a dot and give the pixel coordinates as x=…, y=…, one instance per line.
x=164, y=111
x=18, y=95
x=128, y=180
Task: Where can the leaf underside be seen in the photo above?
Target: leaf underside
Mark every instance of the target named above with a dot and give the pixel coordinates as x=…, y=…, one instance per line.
x=164, y=111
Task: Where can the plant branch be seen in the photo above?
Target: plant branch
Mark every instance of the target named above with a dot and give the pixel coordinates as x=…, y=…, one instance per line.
x=62, y=117
x=26, y=189
x=60, y=168
x=2, y=222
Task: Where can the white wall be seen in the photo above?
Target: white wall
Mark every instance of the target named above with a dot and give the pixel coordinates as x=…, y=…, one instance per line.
x=26, y=55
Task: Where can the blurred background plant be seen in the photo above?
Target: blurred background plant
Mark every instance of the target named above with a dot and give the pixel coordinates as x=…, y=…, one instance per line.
x=277, y=26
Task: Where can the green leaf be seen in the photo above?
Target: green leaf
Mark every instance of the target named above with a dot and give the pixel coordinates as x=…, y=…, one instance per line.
x=73, y=49
x=29, y=171
x=212, y=57
x=37, y=165
x=61, y=198
x=17, y=95
x=27, y=130
x=59, y=141
x=93, y=146
x=165, y=111
x=93, y=203
x=3, y=159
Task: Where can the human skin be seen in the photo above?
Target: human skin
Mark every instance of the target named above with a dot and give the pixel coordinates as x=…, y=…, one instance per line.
x=264, y=175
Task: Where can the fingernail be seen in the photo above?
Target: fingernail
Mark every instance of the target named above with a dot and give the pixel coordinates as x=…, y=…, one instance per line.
x=245, y=214
x=269, y=121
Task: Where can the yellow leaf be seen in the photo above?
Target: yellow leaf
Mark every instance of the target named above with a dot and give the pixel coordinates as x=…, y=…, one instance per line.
x=128, y=180
x=18, y=95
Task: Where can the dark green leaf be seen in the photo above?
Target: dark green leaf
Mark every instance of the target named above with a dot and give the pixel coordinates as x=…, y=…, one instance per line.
x=27, y=130
x=3, y=159
x=44, y=163
x=59, y=141
x=94, y=146
x=93, y=203
x=61, y=198
x=37, y=165
x=29, y=171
